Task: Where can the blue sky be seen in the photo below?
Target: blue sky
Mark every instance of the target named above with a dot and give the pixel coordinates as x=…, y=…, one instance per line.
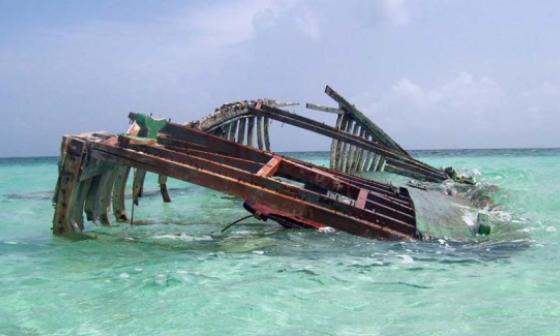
x=434, y=74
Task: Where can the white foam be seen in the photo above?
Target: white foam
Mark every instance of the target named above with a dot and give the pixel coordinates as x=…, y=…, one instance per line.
x=182, y=236
x=470, y=218
x=326, y=229
x=406, y=259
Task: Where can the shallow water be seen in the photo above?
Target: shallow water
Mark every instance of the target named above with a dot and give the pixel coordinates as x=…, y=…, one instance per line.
x=179, y=275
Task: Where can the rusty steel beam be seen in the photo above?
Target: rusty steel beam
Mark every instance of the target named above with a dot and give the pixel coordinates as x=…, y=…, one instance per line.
x=370, y=209
x=182, y=138
x=345, y=156
x=356, y=114
x=408, y=165
x=266, y=171
x=301, y=172
x=271, y=193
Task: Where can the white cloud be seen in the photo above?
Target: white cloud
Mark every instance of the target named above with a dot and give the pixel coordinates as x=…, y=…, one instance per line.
x=83, y=74
x=307, y=23
x=395, y=11
x=467, y=111
x=231, y=22
x=463, y=95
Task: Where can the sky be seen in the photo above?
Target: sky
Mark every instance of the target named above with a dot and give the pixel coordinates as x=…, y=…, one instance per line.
x=434, y=74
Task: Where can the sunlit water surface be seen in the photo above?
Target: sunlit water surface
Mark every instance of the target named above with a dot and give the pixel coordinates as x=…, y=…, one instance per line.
x=179, y=275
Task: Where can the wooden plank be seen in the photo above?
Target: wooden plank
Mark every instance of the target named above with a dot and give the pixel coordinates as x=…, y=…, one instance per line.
x=406, y=163
x=67, y=189
x=232, y=131
x=227, y=130
x=352, y=150
x=271, y=167
x=369, y=156
x=389, y=202
x=383, y=163
x=77, y=207
x=378, y=133
x=138, y=185
x=266, y=122
x=362, y=198
x=119, y=188
x=334, y=144
x=324, y=108
x=91, y=198
x=340, y=144
x=241, y=131
x=103, y=202
x=345, y=148
x=356, y=167
x=255, y=189
x=250, y=131
x=98, y=199
x=376, y=159
x=162, y=181
x=260, y=142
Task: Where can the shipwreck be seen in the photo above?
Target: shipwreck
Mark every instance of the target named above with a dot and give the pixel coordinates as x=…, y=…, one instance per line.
x=229, y=151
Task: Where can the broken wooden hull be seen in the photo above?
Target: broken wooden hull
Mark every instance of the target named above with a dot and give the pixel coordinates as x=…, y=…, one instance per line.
x=274, y=187
x=229, y=151
x=358, y=144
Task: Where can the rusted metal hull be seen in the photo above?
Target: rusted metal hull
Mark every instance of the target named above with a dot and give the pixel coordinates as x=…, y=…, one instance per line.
x=289, y=191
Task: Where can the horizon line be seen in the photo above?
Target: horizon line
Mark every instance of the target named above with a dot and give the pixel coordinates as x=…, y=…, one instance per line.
x=326, y=151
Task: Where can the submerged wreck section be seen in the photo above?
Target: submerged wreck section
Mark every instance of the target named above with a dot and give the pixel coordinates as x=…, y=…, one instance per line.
x=229, y=151
x=94, y=168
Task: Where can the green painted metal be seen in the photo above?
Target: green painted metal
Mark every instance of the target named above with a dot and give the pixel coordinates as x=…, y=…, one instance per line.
x=149, y=126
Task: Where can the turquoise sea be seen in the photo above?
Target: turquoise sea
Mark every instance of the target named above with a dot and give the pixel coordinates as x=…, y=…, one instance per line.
x=177, y=274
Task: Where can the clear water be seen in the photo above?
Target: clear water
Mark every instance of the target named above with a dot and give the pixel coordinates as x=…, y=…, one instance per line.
x=179, y=275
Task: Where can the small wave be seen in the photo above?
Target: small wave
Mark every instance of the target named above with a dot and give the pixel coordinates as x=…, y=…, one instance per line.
x=406, y=259
x=39, y=195
x=182, y=236
x=402, y=283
